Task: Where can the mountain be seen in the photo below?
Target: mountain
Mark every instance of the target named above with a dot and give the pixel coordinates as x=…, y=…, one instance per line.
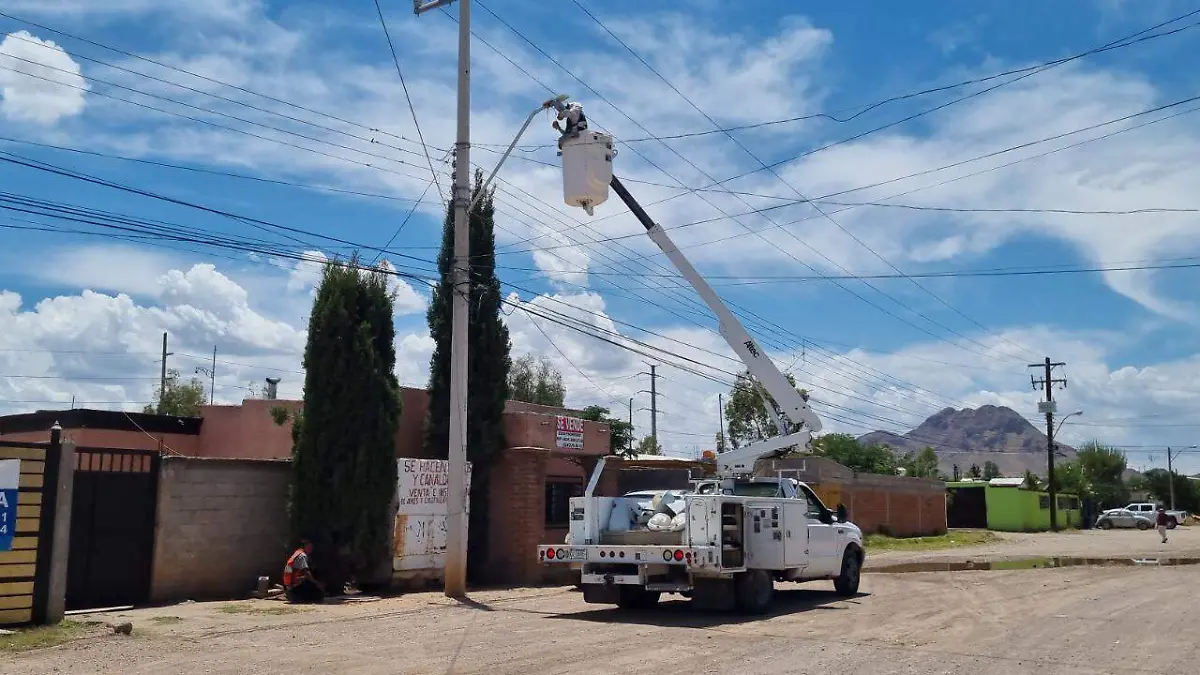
x=974, y=436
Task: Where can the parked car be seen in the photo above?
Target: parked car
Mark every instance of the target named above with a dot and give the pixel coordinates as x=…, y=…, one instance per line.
x=1124, y=518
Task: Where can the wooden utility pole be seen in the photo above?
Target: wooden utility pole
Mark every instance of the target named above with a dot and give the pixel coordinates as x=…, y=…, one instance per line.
x=1046, y=383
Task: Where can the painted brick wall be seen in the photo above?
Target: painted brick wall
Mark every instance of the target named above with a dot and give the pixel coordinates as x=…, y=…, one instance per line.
x=221, y=523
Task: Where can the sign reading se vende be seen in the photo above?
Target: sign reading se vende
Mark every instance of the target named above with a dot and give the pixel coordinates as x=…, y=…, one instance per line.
x=570, y=432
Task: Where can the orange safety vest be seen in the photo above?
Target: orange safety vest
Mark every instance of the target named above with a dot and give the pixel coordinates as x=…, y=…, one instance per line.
x=289, y=576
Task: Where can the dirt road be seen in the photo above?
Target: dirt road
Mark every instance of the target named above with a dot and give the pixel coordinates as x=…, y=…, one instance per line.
x=1050, y=621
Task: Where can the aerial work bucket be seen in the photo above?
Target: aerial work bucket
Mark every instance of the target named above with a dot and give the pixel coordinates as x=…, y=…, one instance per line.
x=587, y=169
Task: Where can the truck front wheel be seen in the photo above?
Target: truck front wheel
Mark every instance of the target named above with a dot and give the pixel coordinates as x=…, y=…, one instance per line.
x=755, y=590
x=636, y=597
x=846, y=583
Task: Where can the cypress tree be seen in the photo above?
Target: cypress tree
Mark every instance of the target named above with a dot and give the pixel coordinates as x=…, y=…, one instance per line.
x=344, y=454
x=488, y=359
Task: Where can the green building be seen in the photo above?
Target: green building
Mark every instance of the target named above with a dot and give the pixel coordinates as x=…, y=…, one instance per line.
x=1003, y=504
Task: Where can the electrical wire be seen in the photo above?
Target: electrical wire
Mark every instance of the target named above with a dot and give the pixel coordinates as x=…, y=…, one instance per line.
x=411, y=109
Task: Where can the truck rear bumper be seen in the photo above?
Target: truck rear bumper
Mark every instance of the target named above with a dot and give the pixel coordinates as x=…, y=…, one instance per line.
x=692, y=557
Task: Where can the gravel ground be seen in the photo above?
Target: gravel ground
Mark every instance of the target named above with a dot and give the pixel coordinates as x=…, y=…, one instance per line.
x=1049, y=621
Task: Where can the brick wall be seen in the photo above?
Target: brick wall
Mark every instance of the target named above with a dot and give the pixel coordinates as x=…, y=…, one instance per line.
x=517, y=514
x=901, y=507
x=221, y=523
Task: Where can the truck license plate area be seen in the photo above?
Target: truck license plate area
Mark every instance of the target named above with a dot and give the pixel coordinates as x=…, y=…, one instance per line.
x=575, y=554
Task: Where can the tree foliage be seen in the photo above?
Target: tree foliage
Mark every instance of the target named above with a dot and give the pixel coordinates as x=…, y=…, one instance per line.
x=746, y=417
x=344, y=453
x=1097, y=472
x=1157, y=482
x=620, y=432
x=179, y=398
x=534, y=380
x=847, y=451
x=990, y=470
x=648, y=446
x=924, y=464
x=974, y=471
x=1032, y=482
x=488, y=348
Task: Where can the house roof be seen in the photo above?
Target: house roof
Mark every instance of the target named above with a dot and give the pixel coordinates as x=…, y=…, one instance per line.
x=85, y=418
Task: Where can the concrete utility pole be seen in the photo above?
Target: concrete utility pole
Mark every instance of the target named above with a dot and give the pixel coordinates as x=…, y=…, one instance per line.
x=212, y=376
x=1047, y=383
x=654, y=408
x=721, y=416
x=456, y=520
x=162, y=378
x=1171, y=473
x=631, y=425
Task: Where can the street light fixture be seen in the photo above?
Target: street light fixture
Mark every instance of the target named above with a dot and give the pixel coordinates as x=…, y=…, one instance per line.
x=1064, y=421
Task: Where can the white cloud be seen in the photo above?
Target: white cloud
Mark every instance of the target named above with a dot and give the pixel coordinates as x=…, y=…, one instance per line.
x=40, y=82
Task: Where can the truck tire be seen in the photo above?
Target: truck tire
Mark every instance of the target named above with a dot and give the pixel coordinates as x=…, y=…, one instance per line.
x=1172, y=523
x=636, y=597
x=1143, y=525
x=1106, y=524
x=846, y=583
x=755, y=590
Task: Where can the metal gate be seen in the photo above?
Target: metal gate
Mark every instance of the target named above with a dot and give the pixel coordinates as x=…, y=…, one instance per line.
x=113, y=511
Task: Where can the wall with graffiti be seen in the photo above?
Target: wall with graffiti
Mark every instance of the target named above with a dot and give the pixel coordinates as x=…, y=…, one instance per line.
x=419, y=538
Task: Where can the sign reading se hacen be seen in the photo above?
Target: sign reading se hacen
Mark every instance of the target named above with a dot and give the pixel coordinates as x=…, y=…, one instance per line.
x=422, y=493
x=570, y=432
x=10, y=478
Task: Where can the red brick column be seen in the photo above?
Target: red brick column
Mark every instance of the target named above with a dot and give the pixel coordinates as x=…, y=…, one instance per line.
x=517, y=516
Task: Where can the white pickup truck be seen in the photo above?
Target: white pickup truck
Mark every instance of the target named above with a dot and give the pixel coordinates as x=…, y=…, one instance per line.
x=724, y=544
x=1133, y=515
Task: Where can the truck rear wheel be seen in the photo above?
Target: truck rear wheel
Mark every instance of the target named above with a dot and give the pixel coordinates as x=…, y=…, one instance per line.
x=636, y=597
x=755, y=590
x=1172, y=523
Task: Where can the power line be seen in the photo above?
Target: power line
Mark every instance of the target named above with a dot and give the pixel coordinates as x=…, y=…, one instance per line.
x=976, y=158
x=788, y=253
x=1129, y=40
x=205, y=78
x=213, y=172
x=800, y=194
x=867, y=107
x=211, y=123
x=411, y=109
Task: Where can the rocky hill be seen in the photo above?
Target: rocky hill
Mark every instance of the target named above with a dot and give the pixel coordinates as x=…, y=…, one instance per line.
x=974, y=436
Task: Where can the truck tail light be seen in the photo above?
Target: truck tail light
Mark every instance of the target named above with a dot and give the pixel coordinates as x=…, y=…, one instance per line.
x=678, y=555
x=550, y=553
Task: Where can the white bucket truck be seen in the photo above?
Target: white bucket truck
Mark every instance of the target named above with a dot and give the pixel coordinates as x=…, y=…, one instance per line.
x=725, y=542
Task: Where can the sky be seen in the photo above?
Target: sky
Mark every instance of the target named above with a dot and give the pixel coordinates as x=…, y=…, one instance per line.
x=907, y=204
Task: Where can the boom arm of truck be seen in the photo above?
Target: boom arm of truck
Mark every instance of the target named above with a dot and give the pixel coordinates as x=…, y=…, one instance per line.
x=801, y=422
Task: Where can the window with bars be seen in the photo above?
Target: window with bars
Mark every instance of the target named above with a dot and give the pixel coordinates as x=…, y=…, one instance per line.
x=558, y=495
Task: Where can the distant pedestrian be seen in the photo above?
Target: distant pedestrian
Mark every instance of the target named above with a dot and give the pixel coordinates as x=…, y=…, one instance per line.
x=1161, y=521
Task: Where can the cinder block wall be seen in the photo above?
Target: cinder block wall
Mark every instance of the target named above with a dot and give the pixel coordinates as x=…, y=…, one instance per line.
x=221, y=523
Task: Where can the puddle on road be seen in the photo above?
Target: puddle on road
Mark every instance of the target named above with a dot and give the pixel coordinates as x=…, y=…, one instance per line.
x=1027, y=564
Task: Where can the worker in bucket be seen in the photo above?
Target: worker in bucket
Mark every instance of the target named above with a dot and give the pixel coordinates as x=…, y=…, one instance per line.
x=574, y=119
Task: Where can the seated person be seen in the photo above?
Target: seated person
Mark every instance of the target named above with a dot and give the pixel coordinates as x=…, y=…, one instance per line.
x=298, y=581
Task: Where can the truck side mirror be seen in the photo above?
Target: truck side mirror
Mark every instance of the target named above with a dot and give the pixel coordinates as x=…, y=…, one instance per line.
x=843, y=515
